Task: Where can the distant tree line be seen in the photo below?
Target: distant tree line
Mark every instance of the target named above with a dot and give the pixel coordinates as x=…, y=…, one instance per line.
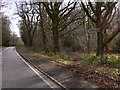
x=8, y=38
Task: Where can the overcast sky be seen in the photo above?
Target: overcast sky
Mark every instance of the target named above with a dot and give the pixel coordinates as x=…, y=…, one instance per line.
x=9, y=10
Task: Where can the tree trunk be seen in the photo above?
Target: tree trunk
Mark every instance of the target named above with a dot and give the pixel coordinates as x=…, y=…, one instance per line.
x=88, y=37
x=88, y=43
x=99, y=43
x=44, y=41
x=56, y=46
x=29, y=40
x=43, y=36
x=100, y=33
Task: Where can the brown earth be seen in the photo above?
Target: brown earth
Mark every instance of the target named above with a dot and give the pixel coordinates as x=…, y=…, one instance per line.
x=87, y=73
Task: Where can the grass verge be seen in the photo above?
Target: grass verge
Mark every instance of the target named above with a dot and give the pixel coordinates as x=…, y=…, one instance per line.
x=60, y=58
x=110, y=65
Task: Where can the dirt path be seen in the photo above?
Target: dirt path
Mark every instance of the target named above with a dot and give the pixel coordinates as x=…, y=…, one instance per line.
x=75, y=57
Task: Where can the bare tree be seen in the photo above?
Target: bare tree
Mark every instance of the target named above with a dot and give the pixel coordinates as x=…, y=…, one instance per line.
x=61, y=19
x=27, y=12
x=41, y=12
x=6, y=34
x=102, y=16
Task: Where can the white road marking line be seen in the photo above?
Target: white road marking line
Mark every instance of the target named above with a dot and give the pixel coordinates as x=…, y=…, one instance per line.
x=34, y=70
x=4, y=50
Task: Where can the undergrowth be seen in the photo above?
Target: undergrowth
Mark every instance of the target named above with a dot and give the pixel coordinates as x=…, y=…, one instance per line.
x=111, y=60
x=61, y=58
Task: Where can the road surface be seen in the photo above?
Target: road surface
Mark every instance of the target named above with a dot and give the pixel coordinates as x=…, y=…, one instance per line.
x=16, y=74
x=2, y=49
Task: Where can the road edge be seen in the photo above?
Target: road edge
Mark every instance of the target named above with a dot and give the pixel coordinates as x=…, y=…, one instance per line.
x=30, y=64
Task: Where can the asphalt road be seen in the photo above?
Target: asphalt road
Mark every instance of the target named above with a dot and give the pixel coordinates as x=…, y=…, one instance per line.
x=16, y=74
x=1, y=49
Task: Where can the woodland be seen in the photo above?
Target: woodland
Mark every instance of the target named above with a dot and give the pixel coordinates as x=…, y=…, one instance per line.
x=78, y=34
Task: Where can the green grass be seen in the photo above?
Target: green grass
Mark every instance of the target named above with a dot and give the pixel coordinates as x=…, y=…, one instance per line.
x=112, y=60
x=108, y=66
x=60, y=58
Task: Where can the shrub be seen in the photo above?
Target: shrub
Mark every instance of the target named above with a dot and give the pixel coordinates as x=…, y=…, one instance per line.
x=113, y=60
x=107, y=60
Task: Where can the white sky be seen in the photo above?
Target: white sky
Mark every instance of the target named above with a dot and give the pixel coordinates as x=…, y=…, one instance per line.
x=9, y=11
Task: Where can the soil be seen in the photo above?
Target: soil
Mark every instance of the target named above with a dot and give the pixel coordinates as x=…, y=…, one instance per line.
x=87, y=73
x=75, y=56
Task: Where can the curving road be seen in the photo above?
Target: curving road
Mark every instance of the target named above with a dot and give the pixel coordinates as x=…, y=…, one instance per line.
x=16, y=74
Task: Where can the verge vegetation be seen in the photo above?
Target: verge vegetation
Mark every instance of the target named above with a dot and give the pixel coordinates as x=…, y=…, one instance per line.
x=90, y=67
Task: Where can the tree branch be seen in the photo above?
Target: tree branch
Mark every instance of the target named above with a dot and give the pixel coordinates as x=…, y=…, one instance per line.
x=112, y=37
x=87, y=12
